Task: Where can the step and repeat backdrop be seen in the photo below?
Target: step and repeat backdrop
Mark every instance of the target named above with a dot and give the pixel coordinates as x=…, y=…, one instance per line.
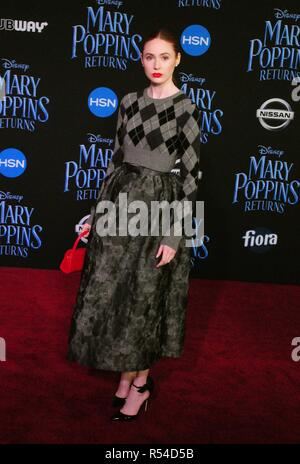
x=65, y=66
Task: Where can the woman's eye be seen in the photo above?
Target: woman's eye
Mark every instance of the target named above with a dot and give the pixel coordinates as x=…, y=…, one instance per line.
x=150, y=58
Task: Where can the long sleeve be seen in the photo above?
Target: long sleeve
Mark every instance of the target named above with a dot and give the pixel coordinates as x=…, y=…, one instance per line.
x=117, y=156
x=189, y=137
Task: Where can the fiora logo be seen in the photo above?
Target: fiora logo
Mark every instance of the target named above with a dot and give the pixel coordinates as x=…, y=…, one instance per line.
x=260, y=239
x=102, y=102
x=195, y=40
x=12, y=162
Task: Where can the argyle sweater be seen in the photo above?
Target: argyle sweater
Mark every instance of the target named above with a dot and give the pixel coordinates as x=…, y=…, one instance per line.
x=162, y=134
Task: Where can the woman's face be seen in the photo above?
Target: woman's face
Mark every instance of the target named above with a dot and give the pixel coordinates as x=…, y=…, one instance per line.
x=159, y=60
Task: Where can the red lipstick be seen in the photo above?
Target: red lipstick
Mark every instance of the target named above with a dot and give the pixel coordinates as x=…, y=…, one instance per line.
x=156, y=74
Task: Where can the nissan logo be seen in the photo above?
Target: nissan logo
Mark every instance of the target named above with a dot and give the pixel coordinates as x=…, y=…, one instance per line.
x=275, y=114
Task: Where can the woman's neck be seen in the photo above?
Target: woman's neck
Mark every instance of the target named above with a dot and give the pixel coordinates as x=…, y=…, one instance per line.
x=161, y=91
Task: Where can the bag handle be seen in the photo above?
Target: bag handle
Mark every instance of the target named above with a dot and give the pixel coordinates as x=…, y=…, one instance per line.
x=79, y=238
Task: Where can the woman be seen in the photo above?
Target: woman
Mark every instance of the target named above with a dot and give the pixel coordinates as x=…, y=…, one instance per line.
x=130, y=308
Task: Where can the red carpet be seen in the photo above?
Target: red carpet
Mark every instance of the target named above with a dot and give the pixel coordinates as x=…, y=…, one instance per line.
x=235, y=383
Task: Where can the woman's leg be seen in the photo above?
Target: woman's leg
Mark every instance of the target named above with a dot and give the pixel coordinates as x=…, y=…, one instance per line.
x=135, y=399
x=125, y=381
x=141, y=377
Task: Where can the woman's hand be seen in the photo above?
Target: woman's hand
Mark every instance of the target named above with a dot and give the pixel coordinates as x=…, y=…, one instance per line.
x=86, y=226
x=168, y=254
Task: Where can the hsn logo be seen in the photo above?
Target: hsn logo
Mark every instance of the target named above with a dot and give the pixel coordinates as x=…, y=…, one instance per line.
x=102, y=102
x=12, y=162
x=195, y=40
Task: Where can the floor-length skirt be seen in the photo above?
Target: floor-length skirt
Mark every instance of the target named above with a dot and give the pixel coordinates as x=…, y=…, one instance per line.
x=128, y=312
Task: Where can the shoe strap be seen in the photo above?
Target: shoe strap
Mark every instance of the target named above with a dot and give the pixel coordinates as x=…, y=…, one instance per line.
x=141, y=388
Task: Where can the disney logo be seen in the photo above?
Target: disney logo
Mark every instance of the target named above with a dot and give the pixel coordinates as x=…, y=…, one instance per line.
x=10, y=196
x=109, y=2
x=92, y=138
x=279, y=14
x=12, y=64
x=190, y=78
x=269, y=151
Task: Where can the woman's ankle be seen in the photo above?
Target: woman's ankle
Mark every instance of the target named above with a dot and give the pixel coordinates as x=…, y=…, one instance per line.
x=123, y=388
x=129, y=377
x=140, y=380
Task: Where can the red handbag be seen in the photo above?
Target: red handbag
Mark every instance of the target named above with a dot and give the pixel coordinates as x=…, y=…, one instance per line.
x=74, y=258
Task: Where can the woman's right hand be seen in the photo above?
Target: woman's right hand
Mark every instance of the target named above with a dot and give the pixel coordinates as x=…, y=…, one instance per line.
x=86, y=226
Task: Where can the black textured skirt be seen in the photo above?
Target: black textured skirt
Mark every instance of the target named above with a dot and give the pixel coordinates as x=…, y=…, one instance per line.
x=129, y=313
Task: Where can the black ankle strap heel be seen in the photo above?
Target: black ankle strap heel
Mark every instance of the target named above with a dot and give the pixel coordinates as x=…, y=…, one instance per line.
x=149, y=385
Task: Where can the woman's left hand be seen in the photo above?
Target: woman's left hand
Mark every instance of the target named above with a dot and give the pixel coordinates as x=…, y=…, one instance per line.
x=168, y=254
